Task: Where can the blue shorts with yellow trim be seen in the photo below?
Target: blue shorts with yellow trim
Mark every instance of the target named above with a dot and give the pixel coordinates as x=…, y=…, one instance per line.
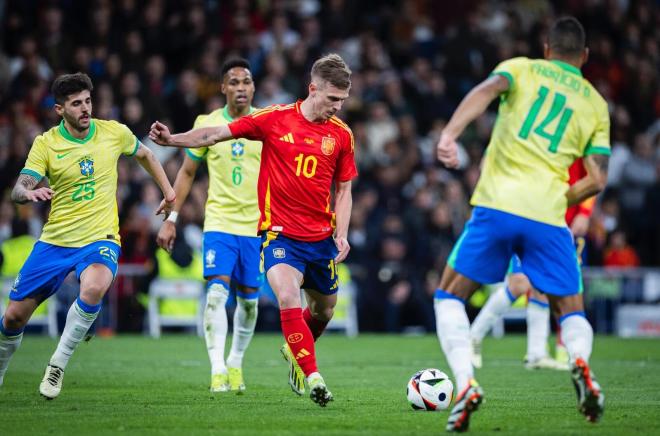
x=48, y=265
x=315, y=260
x=490, y=239
x=235, y=256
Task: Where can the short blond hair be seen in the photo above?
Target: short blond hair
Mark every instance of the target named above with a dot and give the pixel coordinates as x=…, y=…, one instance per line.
x=332, y=69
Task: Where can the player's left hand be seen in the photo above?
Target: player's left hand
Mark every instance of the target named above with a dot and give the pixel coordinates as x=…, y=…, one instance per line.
x=580, y=225
x=160, y=133
x=166, y=206
x=344, y=247
x=448, y=151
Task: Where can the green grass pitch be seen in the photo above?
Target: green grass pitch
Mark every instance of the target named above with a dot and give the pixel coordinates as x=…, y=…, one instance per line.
x=136, y=385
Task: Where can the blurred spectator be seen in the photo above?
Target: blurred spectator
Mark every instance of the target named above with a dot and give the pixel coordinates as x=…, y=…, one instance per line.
x=412, y=62
x=619, y=252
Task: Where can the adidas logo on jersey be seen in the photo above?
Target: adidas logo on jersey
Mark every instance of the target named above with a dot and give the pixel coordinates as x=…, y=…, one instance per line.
x=287, y=138
x=302, y=353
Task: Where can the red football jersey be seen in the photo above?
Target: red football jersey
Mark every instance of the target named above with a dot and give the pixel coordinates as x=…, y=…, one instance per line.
x=300, y=160
x=575, y=173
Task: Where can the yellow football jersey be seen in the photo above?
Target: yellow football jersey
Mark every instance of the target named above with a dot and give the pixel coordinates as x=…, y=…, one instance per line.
x=549, y=116
x=83, y=174
x=232, y=205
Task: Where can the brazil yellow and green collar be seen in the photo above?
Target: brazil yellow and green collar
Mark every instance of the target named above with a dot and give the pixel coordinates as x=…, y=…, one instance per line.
x=66, y=135
x=225, y=113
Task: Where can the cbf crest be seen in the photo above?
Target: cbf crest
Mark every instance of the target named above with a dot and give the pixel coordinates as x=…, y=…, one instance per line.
x=86, y=166
x=237, y=150
x=328, y=145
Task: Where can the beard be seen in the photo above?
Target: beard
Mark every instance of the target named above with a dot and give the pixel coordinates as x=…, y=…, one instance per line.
x=76, y=123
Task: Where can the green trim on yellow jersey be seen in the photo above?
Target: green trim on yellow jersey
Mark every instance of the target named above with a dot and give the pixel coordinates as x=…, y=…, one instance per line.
x=595, y=149
x=137, y=145
x=567, y=67
x=508, y=76
x=34, y=174
x=225, y=113
x=66, y=135
x=194, y=156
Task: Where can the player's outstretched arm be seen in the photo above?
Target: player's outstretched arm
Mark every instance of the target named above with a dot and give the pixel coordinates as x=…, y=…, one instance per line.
x=148, y=161
x=24, y=190
x=182, y=185
x=591, y=184
x=473, y=105
x=196, y=138
x=343, y=205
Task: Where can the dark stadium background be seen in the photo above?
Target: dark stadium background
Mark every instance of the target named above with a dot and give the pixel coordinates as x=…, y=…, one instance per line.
x=412, y=62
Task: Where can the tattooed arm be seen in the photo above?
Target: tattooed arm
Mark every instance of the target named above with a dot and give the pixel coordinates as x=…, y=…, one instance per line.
x=200, y=137
x=591, y=184
x=24, y=190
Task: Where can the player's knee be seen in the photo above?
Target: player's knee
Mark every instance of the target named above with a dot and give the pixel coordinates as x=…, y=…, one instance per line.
x=323, y=313
x=92, y=293
x=15, y=319
x=518, y=284
x=289, y=300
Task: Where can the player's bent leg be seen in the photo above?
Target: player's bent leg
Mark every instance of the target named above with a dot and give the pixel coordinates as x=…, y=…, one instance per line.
x=452, y=324
x=538, y=331
x=453, y=329
x=578, y=338
x=319, y=311
x=285, y=280
x=215, y=330
x=245, y=320
x=95, y=280
x=12, y=324
x=496, y=306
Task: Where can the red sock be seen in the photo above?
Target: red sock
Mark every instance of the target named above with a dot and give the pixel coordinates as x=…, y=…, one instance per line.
x=299, y=338
x=317, y=327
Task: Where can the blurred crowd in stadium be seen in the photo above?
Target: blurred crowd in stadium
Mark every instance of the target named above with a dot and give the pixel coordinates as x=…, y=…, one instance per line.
x=412, y=62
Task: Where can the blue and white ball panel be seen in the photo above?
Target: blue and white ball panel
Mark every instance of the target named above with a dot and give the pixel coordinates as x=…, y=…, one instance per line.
x=315, y=260
x=491, y=238
x=234, y=256
x=48, y=265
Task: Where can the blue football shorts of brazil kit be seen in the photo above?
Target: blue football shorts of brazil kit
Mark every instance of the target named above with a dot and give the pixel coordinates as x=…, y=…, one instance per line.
x=315, y=260
x=491, y=238
x=48, y=265
x=235, y=256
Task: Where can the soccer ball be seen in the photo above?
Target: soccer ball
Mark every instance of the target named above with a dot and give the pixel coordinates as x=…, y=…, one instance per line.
x=430, y=389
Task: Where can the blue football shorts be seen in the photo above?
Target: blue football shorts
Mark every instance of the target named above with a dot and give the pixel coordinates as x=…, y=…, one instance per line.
x=234, y=256
x=48, y=265
x=546, y=253
x=315, y=260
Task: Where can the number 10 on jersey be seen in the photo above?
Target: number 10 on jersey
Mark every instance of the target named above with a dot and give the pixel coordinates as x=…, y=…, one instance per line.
x=306, y=165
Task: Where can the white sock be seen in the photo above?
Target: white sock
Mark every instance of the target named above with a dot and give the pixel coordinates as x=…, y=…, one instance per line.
x=245, y=319
x=8, y=345
x=78, y=322
x=493, y=310
x=538, y=329
x=453, y=328
x=215, y=325
x=578, y=336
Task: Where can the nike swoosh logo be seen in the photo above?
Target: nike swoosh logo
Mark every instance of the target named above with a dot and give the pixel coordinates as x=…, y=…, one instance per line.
x=60, y=156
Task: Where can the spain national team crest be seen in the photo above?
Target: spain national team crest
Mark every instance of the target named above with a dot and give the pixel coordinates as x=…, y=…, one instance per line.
x=86, y=166
x=328, y=145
